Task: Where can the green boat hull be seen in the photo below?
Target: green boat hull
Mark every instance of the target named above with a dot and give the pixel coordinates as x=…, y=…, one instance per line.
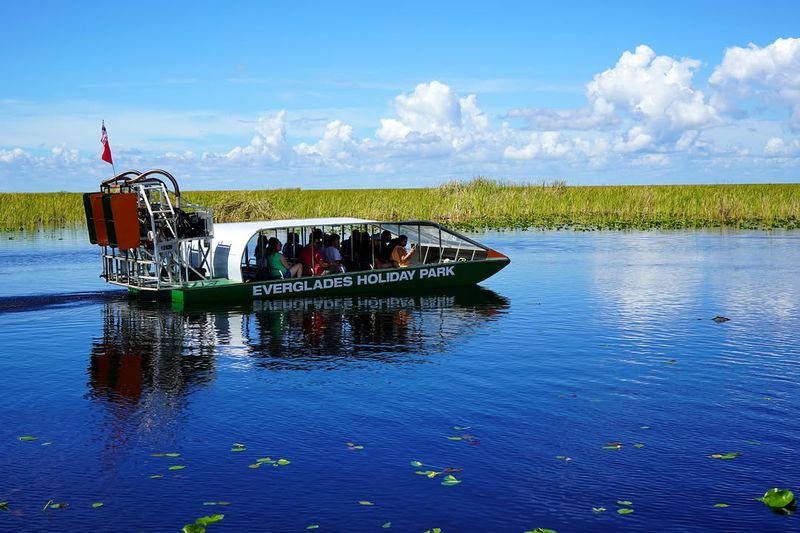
x=398, y=280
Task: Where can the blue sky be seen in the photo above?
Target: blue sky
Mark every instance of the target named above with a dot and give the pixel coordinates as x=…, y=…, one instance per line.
x=256, y=94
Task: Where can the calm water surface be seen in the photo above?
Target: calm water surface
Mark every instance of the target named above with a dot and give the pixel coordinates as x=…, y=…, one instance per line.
x=585, y=339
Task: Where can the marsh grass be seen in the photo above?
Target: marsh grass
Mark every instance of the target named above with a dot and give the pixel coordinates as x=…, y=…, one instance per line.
x=472, y=205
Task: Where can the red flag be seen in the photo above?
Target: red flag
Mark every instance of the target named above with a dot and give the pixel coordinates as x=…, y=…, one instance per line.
x=106, y=147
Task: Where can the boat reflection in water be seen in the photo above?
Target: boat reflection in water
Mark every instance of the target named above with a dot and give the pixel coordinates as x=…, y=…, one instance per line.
x=149, y=355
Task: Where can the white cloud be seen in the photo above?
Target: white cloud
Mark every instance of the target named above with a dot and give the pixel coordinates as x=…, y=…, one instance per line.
x=771, y=73
x=652, y=96
x=268, y=143
x=776, y=146
x=643, y=116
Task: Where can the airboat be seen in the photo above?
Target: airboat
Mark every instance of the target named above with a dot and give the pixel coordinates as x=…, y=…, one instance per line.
x=157, y=244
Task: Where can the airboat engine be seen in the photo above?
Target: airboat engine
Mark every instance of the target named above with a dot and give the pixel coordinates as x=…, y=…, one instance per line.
x=151, y=237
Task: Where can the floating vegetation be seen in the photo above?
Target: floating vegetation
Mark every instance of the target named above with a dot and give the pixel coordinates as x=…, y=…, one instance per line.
x=777, y=498
x=238, y=447
x=365, y=502
x=176, y=467
x=447, y=481
x=254, y=465
x=216, y=503
x=171, y=454
x=721, y=505
x=613, y=445
x=541, y=530
x=354, y=446
x=97, y=505
x=624, y=510
x=434, y=530
x=624, y=502
x=564, y=458
x=28, y=438
x=269, y=461
x=387, y=525
x=450, y=480
x=599, y=509
x=466, y=438
x=200, y=525
x=3, y=506
x=313, y=526
x=156, y=476
x=725, y=456
x=638, y=445
x=51, y=504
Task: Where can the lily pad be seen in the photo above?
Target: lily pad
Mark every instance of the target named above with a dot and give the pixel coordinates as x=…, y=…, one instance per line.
x=156, y=476
x=624, y=502
x=95, y=505
x=193, y=528
x=206, y=520
x=599, y=509
x=158, y=455
x=238, y=447
x=264, y=460
x=59, y=505
x=725, y=456
x=254, y=465
x=387, y=525
x=283, y=462
x=613, y=446
x=638, y=445
x=176, y=467
x=416, y=463
x=721, y=505
x=624, y=510
x=27, y=438
x=455, y=438
x=778, y=498
x=313, y=526
x=365, y=502
x=541, y=530
x=450, y=480
x=172, y=455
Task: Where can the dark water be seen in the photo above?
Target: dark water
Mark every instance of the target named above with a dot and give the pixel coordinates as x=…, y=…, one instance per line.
x=585, y=339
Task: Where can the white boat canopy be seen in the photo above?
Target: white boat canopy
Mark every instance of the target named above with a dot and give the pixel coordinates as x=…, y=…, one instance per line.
x=231, y=239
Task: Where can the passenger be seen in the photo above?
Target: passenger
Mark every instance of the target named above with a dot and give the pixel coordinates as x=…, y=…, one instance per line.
x=279, y=267
x=311, y=257
x=292, y=247
x=350, y=249
x=261, y=251
x=333, y=255
x=400, y=258
x=383, y=253
x=365, y=253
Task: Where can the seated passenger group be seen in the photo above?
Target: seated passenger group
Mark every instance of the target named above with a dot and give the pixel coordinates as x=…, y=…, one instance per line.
x=325, y=255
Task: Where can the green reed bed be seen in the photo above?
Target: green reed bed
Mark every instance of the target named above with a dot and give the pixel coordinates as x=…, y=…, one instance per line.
x=480, y=203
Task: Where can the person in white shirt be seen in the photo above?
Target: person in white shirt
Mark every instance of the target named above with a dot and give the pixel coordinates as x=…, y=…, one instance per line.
x=333, y=255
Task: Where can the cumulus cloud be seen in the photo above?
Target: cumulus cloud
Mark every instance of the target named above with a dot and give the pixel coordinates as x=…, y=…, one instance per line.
x=645, y=110
x=771, y=73
x=268, y=143
x=653, y=96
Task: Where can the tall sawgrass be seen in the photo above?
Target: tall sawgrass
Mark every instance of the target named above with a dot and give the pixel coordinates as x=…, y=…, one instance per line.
x=480, y=203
